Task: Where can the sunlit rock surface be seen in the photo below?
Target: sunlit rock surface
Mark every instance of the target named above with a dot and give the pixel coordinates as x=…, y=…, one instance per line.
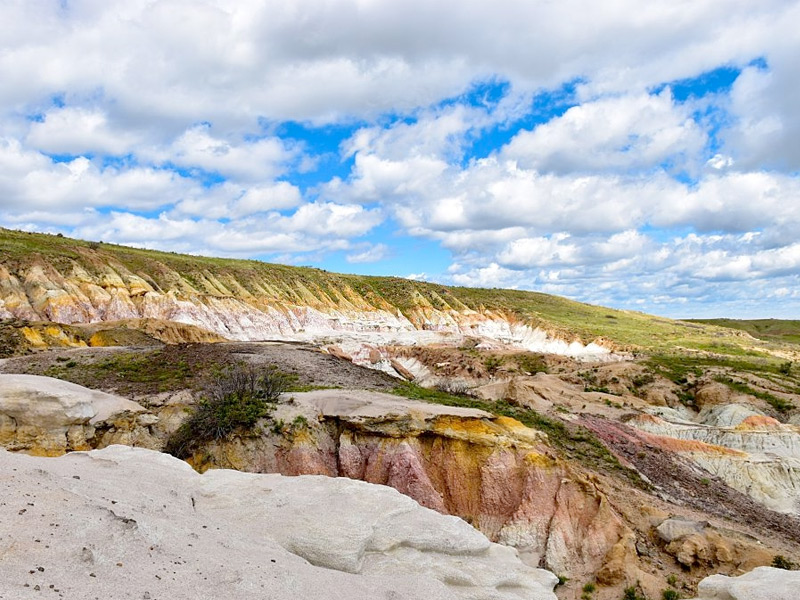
x=752, y=453
x=256, y=311
x=46, y=416
x=763, y=583
x=493, y=471
x=130, y=523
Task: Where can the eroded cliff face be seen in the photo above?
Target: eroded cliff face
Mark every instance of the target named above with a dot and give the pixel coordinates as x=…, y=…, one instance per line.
x=753, y=453
x=257, y=309
x=492, y=471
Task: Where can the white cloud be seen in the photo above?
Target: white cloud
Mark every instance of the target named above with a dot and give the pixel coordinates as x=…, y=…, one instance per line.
x=78, y=130
x=30, y=180
x=619, y=133
x=152, y=96
x=369, y=254
x=247, y=161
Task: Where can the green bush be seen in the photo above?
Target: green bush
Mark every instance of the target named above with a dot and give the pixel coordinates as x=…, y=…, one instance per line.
x=781, y=562
x=669, y=594
x=234, y=403
x=631, y=593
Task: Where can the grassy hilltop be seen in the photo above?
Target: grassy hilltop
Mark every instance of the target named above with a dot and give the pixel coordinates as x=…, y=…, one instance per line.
x=201, y=275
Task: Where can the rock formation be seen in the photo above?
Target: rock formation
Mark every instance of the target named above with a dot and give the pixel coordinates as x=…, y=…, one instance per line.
x=750, y=452
x=90, y=289
x=763, y=583
x=45, y=416
x=129, y=523
x=494, y=472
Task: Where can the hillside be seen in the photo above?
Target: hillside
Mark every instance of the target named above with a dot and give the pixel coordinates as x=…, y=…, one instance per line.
x=617, y=449
x=46, y=278
x=778, y=330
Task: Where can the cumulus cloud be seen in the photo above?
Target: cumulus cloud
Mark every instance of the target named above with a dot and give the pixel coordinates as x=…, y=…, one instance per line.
x=625, y=133
x=247, y=161
x=540, y=145
x=78, y=130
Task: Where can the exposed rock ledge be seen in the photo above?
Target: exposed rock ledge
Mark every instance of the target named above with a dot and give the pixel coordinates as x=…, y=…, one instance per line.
x=763, y=583
x=130, y=523
x=47, y=416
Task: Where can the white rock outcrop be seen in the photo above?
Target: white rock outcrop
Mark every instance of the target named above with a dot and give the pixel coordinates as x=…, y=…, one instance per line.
x=763, y=583
x=129, y=523
x=50, y=416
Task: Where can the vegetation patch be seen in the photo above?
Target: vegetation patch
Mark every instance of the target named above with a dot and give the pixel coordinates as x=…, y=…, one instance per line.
x=11, y=343
x=775, y=402
x=234, y=403
x=156, y=371
x=766, y=329
x=781, y=562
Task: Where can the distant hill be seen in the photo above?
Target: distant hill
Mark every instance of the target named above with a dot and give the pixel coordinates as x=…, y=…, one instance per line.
x=779, y=330
x=49, y=278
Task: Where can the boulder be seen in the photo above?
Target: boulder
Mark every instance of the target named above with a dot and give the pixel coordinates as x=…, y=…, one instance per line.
x=132, y=523
x=763, y=583
x=676, y=528
x=47, y=416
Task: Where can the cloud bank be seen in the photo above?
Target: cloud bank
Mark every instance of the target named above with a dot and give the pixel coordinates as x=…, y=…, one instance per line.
x=637, y=155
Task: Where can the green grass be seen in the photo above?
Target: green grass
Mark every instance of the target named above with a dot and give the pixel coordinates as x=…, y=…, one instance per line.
x=282, y=285
x=777, y=403
x=680, y=367
x=766, y=329
x=572, y=441
x=129, y=372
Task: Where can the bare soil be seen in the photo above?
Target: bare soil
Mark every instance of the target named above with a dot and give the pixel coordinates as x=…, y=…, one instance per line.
x=137, y=372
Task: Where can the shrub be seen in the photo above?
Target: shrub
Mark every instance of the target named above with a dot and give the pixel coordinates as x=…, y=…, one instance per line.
x=631, y=593
x=492, y=363
x=235, y=402
x=781, y=562
x=669, y=594
x=785, y=368
x=589, y=588
x=456, y=387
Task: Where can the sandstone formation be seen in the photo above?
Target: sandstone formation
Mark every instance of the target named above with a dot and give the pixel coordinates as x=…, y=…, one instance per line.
x=93, y=290
x=494, y=472
x=763, y=583
x=129, y=523
x=45, y=416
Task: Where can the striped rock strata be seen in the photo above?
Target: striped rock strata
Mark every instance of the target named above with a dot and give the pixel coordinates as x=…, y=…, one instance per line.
x=494, y=472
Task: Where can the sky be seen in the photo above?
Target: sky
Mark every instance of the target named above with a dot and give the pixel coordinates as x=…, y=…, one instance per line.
x=639, y=155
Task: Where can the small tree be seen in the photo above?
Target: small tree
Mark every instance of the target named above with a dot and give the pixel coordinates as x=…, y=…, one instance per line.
x=233, y=403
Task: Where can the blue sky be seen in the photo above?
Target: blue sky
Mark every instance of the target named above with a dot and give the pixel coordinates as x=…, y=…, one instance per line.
x=636, y=156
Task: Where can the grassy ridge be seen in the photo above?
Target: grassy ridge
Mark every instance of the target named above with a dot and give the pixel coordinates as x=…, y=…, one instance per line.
x=778, y=330
x=309, y=286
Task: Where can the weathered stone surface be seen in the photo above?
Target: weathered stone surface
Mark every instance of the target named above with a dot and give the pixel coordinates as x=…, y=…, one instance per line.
x=42, y=415
x=131, y=523
x=673, y=529
x=750, y=452
x=493, y=471
x=763, y=583
x=257, y=310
